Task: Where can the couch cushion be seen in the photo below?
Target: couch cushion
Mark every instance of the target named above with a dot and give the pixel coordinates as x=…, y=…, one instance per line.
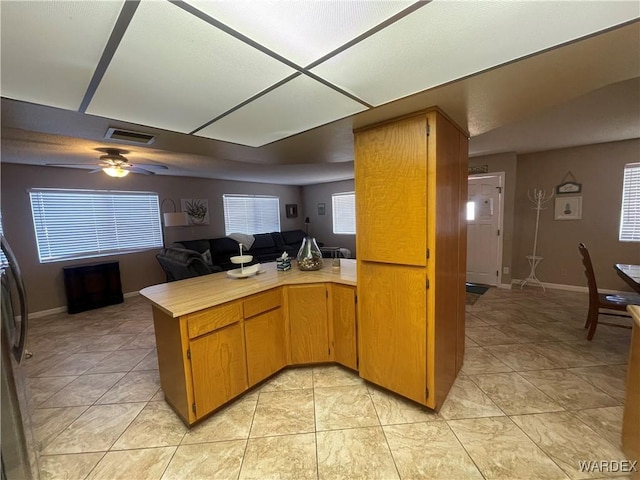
x=206, y=256
x=262, y=240
x=278, y=241
x=267, y=256
x=199, y=246
x=293, y=237
x=224, y=247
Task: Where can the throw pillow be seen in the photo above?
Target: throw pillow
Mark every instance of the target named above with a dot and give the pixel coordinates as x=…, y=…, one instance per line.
x=206, y=256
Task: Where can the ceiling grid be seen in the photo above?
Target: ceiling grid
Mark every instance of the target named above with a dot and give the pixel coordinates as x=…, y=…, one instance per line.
x=255, y=74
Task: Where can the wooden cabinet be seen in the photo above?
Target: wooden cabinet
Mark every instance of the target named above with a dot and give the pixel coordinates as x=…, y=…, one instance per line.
x=264, y=335
x=92, y=286
x=393, y=330
x=391, y=193
x=208, y=320
x=343, y=332
x=218, y=368
x=631, y=415
x=411, y=181
x=308, y=323
x=201, y=357
x=209, y=357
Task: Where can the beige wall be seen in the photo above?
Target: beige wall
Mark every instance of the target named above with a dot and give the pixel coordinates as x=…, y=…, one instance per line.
x=599, y=168
x=504, y=162
x=321, y=226
x=44, y=282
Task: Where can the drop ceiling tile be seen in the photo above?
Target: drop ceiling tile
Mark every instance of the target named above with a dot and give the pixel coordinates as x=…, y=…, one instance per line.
x=50, y=49
x=445, y=41
x=174, y=71
x=301, y=31
x=298, y=105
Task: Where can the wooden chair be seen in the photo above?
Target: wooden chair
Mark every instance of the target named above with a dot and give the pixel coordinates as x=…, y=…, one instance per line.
x=599, y=301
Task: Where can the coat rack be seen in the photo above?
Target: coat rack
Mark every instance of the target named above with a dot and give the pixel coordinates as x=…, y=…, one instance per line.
x=539, y=198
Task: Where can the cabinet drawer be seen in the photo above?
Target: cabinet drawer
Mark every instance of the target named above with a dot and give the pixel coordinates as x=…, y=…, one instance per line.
x=213, y=318
x=262, y=302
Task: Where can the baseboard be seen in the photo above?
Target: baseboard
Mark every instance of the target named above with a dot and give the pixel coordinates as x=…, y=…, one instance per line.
x=570, y=288
x=53, y=311
x=506, y=286
x=45, y=313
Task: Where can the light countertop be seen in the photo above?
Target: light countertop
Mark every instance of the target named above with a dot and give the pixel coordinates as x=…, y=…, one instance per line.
x=195, y=294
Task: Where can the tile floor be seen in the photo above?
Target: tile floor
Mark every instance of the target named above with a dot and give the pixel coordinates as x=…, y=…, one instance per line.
x=533, y=399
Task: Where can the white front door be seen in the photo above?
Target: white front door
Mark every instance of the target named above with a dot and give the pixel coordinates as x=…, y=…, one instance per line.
x=484, y=212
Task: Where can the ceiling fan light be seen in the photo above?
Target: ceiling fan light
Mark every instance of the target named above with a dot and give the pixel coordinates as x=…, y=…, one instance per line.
x=117, y=172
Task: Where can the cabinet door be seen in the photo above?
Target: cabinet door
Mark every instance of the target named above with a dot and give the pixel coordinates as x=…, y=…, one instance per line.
x=218, y=368
x=343, y=300
x=391, y=192
x=264, y=337
x=308, y=323
x=392, y=316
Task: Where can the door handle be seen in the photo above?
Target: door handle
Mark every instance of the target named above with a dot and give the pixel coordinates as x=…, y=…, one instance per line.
x=18, y=350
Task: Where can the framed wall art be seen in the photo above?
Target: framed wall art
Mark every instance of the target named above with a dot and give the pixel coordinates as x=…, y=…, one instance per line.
x=197, y=210
x=291, y=210
x=568, y=208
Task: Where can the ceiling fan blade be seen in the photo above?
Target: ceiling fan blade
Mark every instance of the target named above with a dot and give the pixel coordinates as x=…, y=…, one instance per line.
x=153, y=165
x=96, y=170
x=69, y=165
x=140, y=170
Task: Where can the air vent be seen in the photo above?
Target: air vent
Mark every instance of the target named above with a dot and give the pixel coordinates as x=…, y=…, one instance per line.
x=127, y=136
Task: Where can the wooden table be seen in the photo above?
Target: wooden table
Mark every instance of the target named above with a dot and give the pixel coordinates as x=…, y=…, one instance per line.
x=630, y=274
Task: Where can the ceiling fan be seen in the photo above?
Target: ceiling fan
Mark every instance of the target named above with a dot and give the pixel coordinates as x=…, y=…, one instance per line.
x=115, y=164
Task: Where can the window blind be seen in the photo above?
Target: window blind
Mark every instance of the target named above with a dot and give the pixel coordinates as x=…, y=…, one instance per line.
x=630, y=212
x=344, y=213
x=3, y=259
x=72, y=224
x=251, y=214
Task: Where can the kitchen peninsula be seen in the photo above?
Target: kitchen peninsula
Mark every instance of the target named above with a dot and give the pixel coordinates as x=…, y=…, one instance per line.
x=218, y=336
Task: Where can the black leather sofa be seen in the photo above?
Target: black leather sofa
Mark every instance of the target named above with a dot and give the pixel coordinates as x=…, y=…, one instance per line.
x=266, y=247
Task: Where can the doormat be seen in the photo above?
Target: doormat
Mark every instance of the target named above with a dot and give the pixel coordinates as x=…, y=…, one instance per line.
x=476, y=288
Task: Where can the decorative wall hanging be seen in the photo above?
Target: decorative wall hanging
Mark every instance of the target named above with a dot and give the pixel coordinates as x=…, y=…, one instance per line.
x=321, y=209
x=291, y=209
x=197, y=210
x=472, y=170
x=569, y=185
x=568, y=208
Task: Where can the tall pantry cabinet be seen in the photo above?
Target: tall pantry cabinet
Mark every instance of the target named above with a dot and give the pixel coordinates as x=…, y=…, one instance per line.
x=411, y=193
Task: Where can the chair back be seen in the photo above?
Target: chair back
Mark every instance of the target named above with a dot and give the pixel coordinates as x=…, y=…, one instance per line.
x=179, y=264
x=588, y=271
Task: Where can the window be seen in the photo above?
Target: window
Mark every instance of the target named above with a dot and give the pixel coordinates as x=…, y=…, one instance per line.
x=3, y=259
x=471, y=211
x=72, y=224
x=630, y=214
x=251, y=214
x=344, y=213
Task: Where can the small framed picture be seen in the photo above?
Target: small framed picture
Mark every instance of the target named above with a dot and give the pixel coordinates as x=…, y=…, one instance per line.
x=568, y=208
x=321, y=209
x=291, y=209
x=568, y=188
